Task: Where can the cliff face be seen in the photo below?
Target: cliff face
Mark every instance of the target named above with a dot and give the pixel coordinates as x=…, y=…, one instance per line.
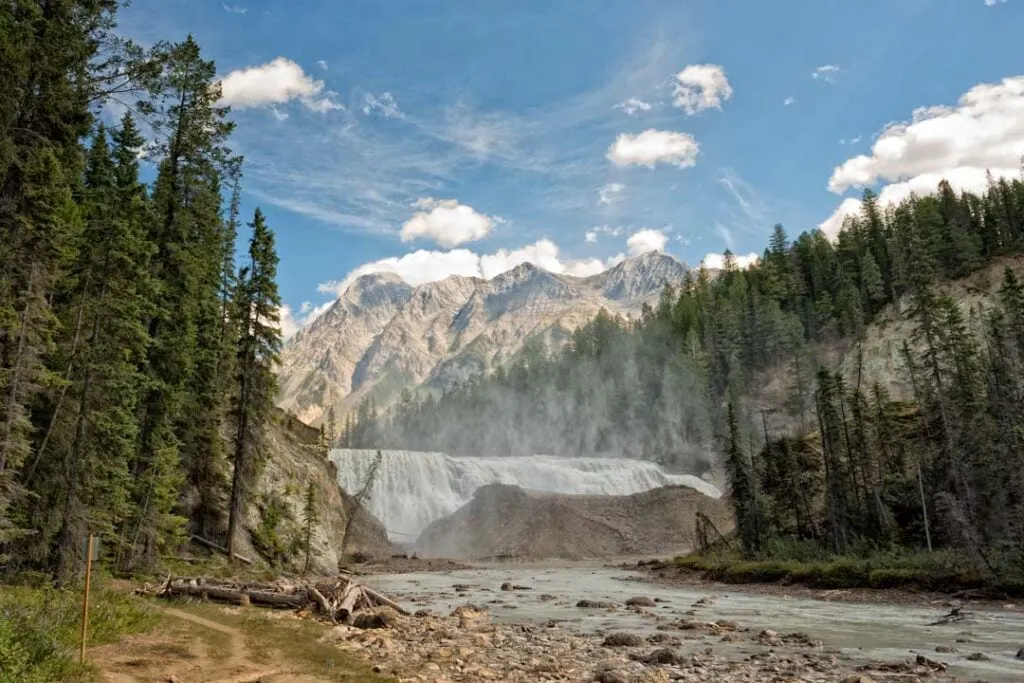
x=382, y=335
x=508, y=520
x=294, y=463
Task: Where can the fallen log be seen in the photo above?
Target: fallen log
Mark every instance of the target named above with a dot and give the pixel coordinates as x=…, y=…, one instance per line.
x=369, y=592
x=214, y=546
x=321, y=602
x=210, y=593
x=340, y=601
x=293, y=600
x=347, y=609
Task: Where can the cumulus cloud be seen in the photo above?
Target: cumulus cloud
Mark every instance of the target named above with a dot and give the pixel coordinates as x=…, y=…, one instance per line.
x=609, y=193
x=234, y=9
x=644, y=241
x=715, y=261
x=423, y=266
x=652, y=147
x=701, y=86
x=289, y=324
x=633, y=106
x=983, y=132
x=322, y=63
x=447, y=223
x=788, y=101
x=827, y=73
x=383, y=104
x=991, y=3
x=275, y=82
x=590, y=236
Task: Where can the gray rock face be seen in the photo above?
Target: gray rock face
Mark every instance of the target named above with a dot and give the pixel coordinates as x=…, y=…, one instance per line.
x=383, y=333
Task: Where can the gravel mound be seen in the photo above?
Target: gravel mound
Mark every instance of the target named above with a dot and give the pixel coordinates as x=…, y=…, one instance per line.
x=508, y=521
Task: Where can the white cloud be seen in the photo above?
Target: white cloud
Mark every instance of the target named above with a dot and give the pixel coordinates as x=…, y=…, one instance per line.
x=275, y=82
x=983, y=132
x=653, y=147
x=592, y=235
x=234, y=9
x=991, y=3
x=827, y=73
x=423, y=266
x=962, y=179
x=700, y=87
x=383, y=104
x=715, y=261
x=322, y=63
x=289, y=324
x=278, y=114
x=609, y=193
x=447, y=223
x=633, y=106
x=646, y=240
x=788, y=101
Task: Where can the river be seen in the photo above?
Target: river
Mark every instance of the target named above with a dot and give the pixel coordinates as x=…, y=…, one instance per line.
x=856, y=632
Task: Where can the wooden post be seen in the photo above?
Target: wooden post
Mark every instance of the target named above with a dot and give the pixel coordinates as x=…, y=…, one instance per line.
x=85, y=598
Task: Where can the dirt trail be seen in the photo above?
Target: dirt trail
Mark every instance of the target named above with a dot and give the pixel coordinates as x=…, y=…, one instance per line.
x=180, y=653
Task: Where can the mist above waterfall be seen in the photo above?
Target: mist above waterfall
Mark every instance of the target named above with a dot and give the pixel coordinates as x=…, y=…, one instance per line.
x=413, y=488
x=616, y=389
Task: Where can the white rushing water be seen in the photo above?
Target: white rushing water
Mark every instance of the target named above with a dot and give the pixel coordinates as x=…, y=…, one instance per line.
x=414, y=488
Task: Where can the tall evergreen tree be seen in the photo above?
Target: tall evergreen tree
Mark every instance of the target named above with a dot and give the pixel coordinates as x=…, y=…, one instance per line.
x=258, y=346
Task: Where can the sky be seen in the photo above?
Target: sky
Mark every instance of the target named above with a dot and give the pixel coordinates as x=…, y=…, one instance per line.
x=435, y=137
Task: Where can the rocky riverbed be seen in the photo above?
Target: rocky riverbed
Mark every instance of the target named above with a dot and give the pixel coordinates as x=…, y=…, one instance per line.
x=587, y=624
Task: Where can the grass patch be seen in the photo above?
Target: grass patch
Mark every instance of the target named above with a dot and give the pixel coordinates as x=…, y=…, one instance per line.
x=296, y=641
x=40, y=629
x=940, y=571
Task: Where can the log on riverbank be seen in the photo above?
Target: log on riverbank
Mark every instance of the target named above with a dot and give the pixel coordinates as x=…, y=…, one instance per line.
x=340, y=600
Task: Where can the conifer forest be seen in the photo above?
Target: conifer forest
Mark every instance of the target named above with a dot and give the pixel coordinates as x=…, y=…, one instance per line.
x=137, y=338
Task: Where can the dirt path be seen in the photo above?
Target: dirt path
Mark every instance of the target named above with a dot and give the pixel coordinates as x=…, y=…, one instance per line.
x=190, y=648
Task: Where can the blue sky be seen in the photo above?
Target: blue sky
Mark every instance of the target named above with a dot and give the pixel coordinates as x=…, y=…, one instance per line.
x=571, y=133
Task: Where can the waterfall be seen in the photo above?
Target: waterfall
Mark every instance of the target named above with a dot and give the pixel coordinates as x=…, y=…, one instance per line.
x=414, y=488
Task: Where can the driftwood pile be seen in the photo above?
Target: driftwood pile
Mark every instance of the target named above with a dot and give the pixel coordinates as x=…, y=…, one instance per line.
x=339, y=600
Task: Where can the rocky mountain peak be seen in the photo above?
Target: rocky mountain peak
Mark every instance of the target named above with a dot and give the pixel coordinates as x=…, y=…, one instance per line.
x=383, y=335
x=639, y=276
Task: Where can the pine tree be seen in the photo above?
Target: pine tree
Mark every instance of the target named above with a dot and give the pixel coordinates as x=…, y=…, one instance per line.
x=310, y=518
x=259, y=344
x=742, y=488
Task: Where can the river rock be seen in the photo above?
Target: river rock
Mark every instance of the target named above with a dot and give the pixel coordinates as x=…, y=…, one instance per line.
x=770, y=638
x=978, y=657
x=1020, y=654
x=622, y=640
x=640, y=601
x=595, y=604
x=506, y=586
x=612, y=676
x=664, y=656
x=384, y=617
x=945, y=649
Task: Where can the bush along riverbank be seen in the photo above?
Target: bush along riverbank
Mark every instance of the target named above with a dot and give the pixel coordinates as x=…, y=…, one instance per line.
x=939, y=572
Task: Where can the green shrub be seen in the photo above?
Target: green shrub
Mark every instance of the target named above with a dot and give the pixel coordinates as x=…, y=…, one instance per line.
x=40, y=627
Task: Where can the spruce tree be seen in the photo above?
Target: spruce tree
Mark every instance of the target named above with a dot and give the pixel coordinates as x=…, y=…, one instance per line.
x=259, y=342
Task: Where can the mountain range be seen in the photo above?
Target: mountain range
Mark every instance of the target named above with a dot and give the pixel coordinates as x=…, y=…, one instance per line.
x=383, y=335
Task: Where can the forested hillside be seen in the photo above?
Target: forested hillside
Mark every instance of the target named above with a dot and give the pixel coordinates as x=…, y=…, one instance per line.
x=130, y=342
x=677, y=385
